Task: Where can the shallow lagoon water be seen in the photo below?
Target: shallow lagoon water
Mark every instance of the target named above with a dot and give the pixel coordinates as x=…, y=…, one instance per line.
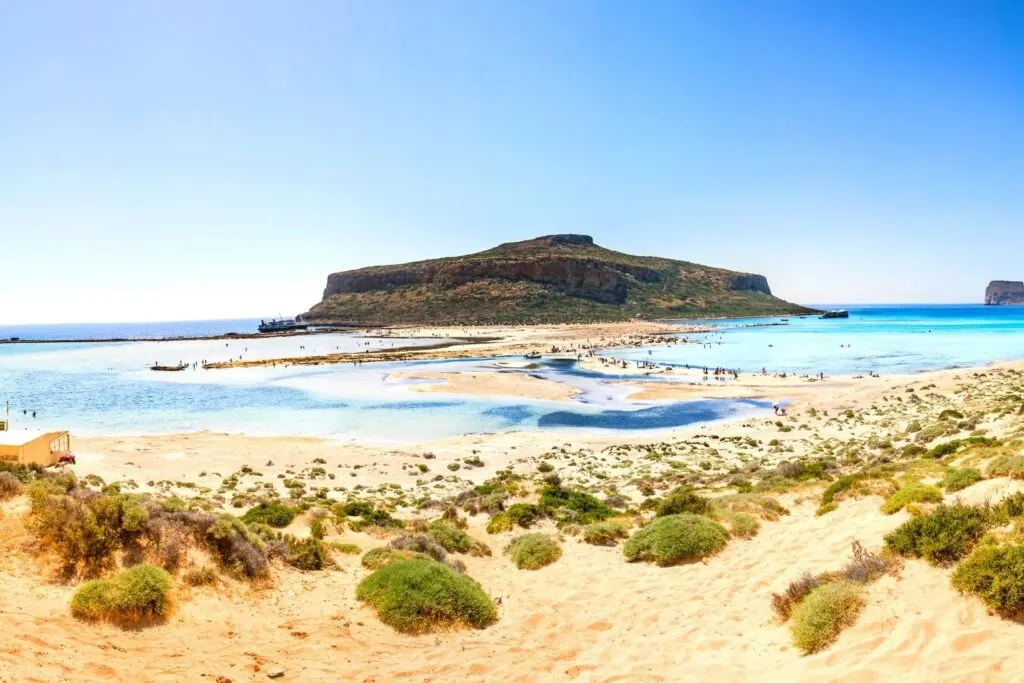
x=106, y=388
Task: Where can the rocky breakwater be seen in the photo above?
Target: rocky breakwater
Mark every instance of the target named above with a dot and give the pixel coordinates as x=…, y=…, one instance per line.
x=1004, y=292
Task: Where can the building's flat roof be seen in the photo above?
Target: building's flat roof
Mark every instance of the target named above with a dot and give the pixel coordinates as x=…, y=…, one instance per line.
x=20, y=437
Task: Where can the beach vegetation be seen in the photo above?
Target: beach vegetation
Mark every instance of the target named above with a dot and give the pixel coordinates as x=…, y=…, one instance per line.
x=1010, y=507
x=533, y=551
x=675, y=539
x=571, y=505
x=959, y=479
x=455, y=540
x=10, y=486
x=995, y=573
x=785, y=602
x=500, y=523
x=309, y=554
x=821, y=616
x=271, y=514
x=1011, y=466
x=858, y=484
x=344, y=548
x=420, y=595
x=200, y=576
x=609, y=532
x=911, y=493
x=683, y=500
x=942, y=537
x=131, y=597
x=524, y=515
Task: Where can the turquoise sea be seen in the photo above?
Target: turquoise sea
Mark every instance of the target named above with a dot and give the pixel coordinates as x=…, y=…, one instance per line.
x=106, y=388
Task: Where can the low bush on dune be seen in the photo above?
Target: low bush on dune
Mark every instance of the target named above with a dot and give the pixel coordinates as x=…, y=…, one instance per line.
x=420, y=595
x=683, y=500
x=419, y=543
x=995, y=573
x=309, y=554
x=456, y=540
x=957, y=480
x=524, y=515
x=862, y=483
x=784, y=603
x=759, y=505
x=571, y=505
x=605, y=533
x=533, y=551
x=10, y=486
x=367, y=514
x=271, y=514
x=739, y=524
x=500, y=523
x=676, y=538
x=911, y=493
x=863, y=567
x=942, y=537
x=821, y=616
x=132, y=596
x=1009, y=507
x=1007, y=466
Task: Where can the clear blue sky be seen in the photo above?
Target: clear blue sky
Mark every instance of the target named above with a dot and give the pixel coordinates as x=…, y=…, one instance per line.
x=201, y=159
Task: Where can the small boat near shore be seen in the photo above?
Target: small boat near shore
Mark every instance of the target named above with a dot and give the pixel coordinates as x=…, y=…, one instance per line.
x=841, y=313
x=533, y=355
x=168, y=368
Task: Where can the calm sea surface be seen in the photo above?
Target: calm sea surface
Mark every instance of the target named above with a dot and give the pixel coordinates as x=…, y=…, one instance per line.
x=106, y=388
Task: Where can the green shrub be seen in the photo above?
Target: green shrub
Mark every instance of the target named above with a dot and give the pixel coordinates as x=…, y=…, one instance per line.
x=456, y=540
x=958, y=480
x=604, y=533
x=824, y=613
x=911, y=493
x=740, y=524
x=942, y=537
x=584, y=508
x=500, y=523
x=271, y=514
x=676, y=538
x=1009, y=507
x=420, y=595
x=545, y=467
x=132, y=596
x=316, y=529
x=995, y=573
x=523, y=514
x=683, y=500
x=1007, y=466
x=346, y=548
x=377, y=557
x=533, y=551
x=309, y=554
x=419, y=543
x=951, y=413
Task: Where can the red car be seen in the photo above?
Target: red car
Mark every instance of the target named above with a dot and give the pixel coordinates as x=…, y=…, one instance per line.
x=66, y=459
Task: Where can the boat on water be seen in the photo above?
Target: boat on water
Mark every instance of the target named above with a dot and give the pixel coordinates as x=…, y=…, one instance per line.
x=534, y=355
x=835, y=314
x=282, y=325
x=168, y=368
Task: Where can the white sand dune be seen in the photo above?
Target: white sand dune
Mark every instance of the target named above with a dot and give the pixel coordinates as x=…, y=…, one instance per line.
x=590, y=617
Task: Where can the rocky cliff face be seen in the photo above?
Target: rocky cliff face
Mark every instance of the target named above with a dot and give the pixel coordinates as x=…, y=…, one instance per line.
x=1000, y=292
x=555, y=278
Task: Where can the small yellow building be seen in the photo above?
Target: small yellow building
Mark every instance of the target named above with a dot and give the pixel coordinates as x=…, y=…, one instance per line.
x=25, y=446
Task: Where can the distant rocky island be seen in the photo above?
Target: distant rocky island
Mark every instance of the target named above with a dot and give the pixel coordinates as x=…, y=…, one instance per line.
x=550, y=279
x=1004, y=292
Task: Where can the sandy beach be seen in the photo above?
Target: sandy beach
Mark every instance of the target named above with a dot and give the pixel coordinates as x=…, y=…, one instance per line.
x=589, y=616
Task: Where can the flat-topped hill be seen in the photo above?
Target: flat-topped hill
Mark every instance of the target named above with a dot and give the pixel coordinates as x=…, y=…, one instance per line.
x=550, y=279
x=1000, y=292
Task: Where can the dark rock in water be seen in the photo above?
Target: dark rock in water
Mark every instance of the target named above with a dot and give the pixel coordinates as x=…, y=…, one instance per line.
x=550, y=279
x=1002, y=292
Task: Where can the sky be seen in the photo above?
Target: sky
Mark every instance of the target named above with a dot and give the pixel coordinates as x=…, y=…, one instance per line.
x=217, y=159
